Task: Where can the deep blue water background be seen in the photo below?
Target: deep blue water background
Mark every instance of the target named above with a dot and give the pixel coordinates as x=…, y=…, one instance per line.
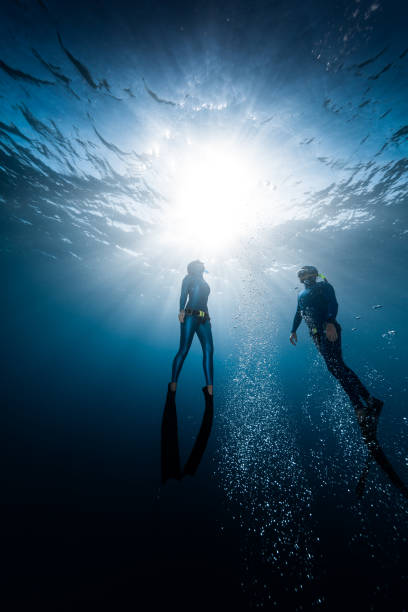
x=271, y=518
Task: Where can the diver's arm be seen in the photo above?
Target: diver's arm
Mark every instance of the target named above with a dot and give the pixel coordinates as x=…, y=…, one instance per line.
x=332, y=309
x=183, y=298
x=184, y=293
x=296, y=322
x=332, y=305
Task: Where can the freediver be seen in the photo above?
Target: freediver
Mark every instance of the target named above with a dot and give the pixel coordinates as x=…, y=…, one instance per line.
x=194, y=319
x=318, y=306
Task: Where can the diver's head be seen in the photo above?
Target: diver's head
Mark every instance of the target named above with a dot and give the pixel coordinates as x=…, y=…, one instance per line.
x=196, y=267
x=308, y=275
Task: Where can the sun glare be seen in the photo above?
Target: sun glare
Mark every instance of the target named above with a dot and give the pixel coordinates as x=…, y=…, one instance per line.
x=213, y=199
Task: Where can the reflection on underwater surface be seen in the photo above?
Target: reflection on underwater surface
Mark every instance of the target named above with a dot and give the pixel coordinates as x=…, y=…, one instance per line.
x=108, y=116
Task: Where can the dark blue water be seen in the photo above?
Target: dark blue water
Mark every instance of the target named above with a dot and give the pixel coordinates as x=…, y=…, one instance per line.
x=258, y=137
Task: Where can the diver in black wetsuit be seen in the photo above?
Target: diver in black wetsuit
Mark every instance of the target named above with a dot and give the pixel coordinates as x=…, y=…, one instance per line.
x=194, y=319
x=317, y=305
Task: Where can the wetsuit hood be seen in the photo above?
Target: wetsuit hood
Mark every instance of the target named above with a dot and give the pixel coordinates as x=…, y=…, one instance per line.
x=196, y=268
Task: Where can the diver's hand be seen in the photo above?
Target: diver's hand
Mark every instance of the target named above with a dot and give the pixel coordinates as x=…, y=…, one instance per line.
x=331, y=332
x=293, y=338
x=181, y=316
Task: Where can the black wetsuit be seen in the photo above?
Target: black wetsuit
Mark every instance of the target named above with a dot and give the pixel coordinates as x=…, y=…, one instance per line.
x=197, y=290
x=317, y=305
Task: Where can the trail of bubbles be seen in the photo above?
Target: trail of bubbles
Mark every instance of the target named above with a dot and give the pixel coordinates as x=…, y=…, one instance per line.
x=260, y=470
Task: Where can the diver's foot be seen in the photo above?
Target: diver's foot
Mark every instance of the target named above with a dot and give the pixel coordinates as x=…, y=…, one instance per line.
x=375, y=406
x=367, y=417
x=372, y=414
x=209, y=400
x=171, y=395
x=364, y=417
x=361, y=484
x=361, y=413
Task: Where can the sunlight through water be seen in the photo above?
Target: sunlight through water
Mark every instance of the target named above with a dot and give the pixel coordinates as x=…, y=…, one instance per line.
x=257, y=137
x=216, y=197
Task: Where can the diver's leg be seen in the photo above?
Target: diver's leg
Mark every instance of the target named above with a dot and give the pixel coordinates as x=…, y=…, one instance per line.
x=349, y=375
x=187, y=330
x=350, y=381
x=205, y=336
x=374, y=405
x=367, y=416
x=331, y=353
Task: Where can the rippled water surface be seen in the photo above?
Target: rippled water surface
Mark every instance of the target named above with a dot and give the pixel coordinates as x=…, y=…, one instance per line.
x=135, y=137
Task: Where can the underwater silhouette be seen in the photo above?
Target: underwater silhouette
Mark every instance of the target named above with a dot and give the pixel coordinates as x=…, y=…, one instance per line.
x=318, y=307
x=194, y=319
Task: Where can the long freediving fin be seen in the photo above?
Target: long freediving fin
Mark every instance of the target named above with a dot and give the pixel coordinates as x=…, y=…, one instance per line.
x=170, y=455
